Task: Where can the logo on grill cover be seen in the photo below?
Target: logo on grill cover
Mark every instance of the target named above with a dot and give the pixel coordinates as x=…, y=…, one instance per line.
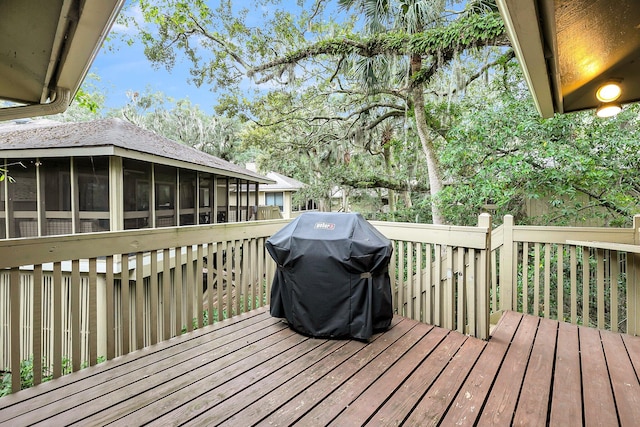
x=324, y=226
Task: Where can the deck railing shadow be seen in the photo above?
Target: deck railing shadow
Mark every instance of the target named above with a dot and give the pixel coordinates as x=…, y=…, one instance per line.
x=71, y=301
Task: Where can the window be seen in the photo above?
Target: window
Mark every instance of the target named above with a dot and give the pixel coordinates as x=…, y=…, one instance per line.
x=206, y=198
x=165, y=179
x=57, y=183
x=187, y=197
x=93, y=183
x=275, y=199
x=137, y=176
x=22, y=198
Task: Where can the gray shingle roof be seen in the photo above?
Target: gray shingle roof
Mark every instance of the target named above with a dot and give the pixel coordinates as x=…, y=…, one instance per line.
x=115, y=133
x=283, y=183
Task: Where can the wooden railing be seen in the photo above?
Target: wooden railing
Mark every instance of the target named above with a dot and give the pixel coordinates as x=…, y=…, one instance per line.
x=583, y=275
x=440, y=274
x=63, y=302
x=70, y=301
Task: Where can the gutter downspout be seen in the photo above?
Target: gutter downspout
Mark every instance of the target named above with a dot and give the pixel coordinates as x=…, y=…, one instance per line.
x=59, y=104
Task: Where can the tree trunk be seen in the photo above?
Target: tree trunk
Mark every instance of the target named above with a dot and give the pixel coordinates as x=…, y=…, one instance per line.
x=387, y=165
x=433, y=166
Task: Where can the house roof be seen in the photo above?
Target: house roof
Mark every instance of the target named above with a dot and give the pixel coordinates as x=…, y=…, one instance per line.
x=112, y=137
x=282, y=183
x=568, y=48
x=46, y=49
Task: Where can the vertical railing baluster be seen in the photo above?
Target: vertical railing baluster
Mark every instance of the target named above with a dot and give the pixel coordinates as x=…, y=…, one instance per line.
x=57, y=320
x=154, y=301
x=586, y=315
x=613, y=288
x=138, y=303
x=178, y=290
x=210, y=282
x=110, y=311
x=167, y=295
x=547, y=280
x=600, y=273
x=190, y=291
x=74, y=290
x=125, y=304
x=199, y=287
x=560, y=282
x=93, y=312
x=16, y=357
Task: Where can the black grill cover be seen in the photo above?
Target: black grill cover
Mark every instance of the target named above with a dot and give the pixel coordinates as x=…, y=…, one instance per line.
x=332, y=278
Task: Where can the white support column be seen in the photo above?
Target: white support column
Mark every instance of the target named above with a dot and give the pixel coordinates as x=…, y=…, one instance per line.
x=507, y=266
x=75, y=197
x=40, y=201
x=116, y=194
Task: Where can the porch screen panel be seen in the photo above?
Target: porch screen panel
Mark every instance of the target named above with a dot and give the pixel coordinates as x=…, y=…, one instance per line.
x=188, y=197
x=205, y=199
x=243, y=193
x=222, y=189
x=93, y=193
x=56, y=174
x=253, y=200
x=23, y=198
x=136, y=193
x=165, y=192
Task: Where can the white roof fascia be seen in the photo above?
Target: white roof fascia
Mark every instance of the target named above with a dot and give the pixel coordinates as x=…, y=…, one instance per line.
x=526, y=39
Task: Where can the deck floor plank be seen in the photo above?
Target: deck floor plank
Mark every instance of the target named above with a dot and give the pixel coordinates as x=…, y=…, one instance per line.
x=342, y=398
x=275, y=398
x=225, y=332
x=302, y=403
x=501, y=403
x=259, y=387
x=536, y=388
x=214, y=367
x=373, y=397
x=119, y=384
x=271, y=360
x=599, y=406
x=467, y=405
x=435, y=402
x=626, y=388
x=632, y=345
x=401, y=403
x=566, y=402
x=253, y=370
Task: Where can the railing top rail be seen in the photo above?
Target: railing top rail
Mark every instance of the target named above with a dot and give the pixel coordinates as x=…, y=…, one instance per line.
x=468, y=237
x=560, y=235
x=620, y=247
x=39, y=250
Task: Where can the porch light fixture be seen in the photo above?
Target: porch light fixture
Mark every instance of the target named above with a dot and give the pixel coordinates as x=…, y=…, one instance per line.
x=608, y=94
x=608, y=109
x=609, y=91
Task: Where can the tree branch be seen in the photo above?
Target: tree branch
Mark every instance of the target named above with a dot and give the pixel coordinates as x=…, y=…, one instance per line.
x=472, y=31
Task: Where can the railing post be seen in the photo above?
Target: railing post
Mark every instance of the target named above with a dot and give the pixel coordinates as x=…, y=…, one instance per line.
x=507, y=265
x=633, y=282
x=484, y=281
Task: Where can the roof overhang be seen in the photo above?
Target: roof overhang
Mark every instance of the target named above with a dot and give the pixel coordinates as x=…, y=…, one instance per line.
x=46, y=49
x=568, y=48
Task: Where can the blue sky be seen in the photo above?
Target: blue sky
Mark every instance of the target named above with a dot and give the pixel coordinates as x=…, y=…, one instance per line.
x=125, y=68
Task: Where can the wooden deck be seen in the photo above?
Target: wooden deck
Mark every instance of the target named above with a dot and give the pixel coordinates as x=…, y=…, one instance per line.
x=253, y=370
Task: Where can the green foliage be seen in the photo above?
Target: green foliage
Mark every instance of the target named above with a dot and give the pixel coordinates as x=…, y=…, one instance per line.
x=181, y=121
x=500, y=153
x=26, y=373
x=339, y=113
